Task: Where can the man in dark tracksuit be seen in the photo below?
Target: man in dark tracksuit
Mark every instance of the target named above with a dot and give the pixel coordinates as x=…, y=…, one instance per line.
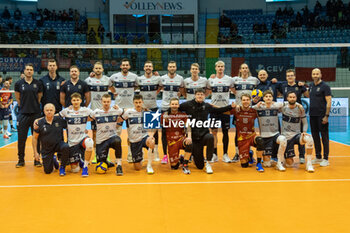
x=28, y=92
x=199, y=110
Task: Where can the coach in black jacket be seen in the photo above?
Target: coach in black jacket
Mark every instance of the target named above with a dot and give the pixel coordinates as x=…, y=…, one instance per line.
x=199, y=111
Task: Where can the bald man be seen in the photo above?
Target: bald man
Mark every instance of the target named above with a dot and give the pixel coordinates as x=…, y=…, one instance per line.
x=49, y=128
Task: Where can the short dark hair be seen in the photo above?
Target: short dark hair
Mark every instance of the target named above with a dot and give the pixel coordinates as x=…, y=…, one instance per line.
x=246, y=95
x=75, y=95
x=125, y=60
x=291, y=92
x=267, y=92
x=149, y=61
x=199, y=90
x=29, y=64
x=51, y=60
x=137, y=97
x=8, y=78
x=290, y=70
x=107, y=96
x=74, y=66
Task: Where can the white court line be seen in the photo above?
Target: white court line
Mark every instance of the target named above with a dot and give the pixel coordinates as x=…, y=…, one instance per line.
x=173, y=183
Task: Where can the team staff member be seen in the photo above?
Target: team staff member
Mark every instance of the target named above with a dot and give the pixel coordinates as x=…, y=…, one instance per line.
x=320, y=106
x=51, y=86
x=28, y=92
x=5, y=111
x=199, y=110
x=267, y=85
x=48, y=128
x=74, y=85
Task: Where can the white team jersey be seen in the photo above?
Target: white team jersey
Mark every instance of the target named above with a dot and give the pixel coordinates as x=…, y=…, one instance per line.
x=106, y=123
x=136, y=131
x=291, y=121
x=244, y=86
x=171, y=87
x=268, y=119
x=76, y=124
x=220, y=88
x=148, y=90
x=124, y=86
x=191, y=86
x=98, y=87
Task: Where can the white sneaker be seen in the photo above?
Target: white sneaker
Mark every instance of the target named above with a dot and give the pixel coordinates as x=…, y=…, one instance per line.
x=208, y=168
x=309, y=168
x=150, y=170
x=129, y=159
x=226, y=159
x=214, y=159
x=324, y=163
x=280, y=167
x=301, y=160
x=316, y=161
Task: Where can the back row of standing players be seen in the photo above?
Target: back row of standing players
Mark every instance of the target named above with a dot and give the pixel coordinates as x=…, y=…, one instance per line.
x=123, y=84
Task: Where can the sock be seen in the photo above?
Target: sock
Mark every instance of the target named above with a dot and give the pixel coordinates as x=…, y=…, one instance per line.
x=119, y=162
x=86, y=163
x=150, y=158
x=259, y=160
x=237, y=151
x=216, y=151
x=308, y=158
x=185, y=162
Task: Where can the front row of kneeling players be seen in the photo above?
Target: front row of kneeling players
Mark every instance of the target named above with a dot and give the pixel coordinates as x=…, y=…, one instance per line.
x=78, y=151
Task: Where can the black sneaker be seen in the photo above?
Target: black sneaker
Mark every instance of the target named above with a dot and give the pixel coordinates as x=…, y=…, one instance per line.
x=119, y=170
x=37, y=163
x=110, y=164
x=20, y=164
x=186, y=170
x=235, y=159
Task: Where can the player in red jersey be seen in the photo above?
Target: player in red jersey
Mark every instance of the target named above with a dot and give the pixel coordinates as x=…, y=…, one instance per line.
x=174, y=123
x=5, y=111
x=246, y=135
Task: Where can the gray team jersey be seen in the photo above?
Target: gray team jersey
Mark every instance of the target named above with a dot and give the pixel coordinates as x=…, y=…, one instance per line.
x=191, y=86
x=268, y=119
x=171, y=87
x=136, y=131
x=148, y=90
x=76, y=124
x=220, y=88
x=291, y=121
x=125, y=88
x=106, y=123
x=98, y=87
x=244, y=86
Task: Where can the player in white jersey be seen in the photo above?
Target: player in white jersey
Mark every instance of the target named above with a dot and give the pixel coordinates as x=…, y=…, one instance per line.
x=293, y=116
x=106, y=132
x=194, y=82
x=99, y=85
x=79, y=142
x=139, y=137
x=269, y=129
x=220, y=88
x=150, y=86
x=173, y=86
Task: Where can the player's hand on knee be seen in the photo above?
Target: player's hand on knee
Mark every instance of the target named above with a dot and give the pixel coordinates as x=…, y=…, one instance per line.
x=188, y=141
x=36, y=156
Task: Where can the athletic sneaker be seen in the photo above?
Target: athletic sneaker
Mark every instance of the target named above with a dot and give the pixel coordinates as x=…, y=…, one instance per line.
x=259, y=167
x=186, y=170
x=20, y=164
x=226, y=159
x=129, y=159
x=13, y=129
x=37, y=163
x=9, y=134
x=150, y=170
x=301, y=160
x=119, y=170
x=109, y=164
x=324, y=163
x=252, y=161
x=6, y=136
x=55, y=162
x=164, y=159
x=279, y=166
x=208, y=168
x=309, y=167
x=235, y=159
x=316, y=161
x=85, y=172
x=214, y=159
x=62, y=171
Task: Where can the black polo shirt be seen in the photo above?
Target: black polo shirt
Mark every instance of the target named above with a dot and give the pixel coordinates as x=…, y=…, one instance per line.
x=50, y=134
x=29, y=96
x=318, y=103
x=268, y=85
x=51, y=91
x=69, y=88
x=284, y=88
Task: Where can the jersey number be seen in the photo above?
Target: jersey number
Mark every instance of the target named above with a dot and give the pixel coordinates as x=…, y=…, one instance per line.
x=77, y=120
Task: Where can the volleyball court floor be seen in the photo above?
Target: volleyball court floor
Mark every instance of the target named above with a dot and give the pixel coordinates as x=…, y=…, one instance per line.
x=230, y=200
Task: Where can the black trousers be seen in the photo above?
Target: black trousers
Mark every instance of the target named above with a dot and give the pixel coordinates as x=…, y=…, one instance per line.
x=164, y=142
x=318, y=128
x=24, y=122
x=48, y=161
x=197, y=149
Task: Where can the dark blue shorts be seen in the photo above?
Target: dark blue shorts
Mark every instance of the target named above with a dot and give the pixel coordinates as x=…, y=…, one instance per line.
x=289, y=153
x=136, y=149
x=5, y=113
x=224, y=118
x=77, y=153
x=103, y=148
x=270, y=143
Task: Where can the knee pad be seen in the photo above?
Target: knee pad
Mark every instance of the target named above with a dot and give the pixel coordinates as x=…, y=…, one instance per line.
x=245, y=165
x=282, y=141
x=89, y=144
x=309, y=142
x=259, y=143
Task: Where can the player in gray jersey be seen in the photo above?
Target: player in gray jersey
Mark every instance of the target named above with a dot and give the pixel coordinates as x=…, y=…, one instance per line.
x=106, y=130
x=293, y=116
x=269, y=131
x=150, y=86
x=139, y=136
x=220, y=88
x=173, y=86
x=194, y=82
